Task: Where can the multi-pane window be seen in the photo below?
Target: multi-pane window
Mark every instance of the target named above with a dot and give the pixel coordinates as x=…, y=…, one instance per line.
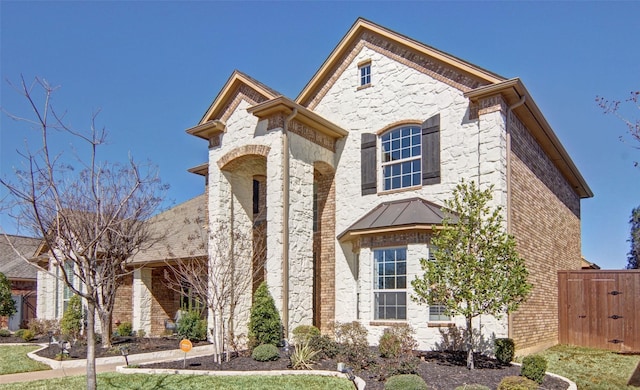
x=402, y=157
x=67, y=293
x=390, y=283
x=365, y=74
x=436, y=312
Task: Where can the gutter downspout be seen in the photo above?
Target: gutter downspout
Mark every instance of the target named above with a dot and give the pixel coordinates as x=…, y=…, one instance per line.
x=285, y=222
x=508, y=131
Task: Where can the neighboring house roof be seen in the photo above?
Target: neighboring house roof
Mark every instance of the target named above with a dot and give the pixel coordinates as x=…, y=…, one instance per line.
x=13, y=265
x=183, y=230
x=589, y=265
x=404, y=214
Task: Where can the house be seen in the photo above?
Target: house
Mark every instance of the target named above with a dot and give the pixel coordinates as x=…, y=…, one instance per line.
x=22, y=276
x=143, y=299
x=344, y=184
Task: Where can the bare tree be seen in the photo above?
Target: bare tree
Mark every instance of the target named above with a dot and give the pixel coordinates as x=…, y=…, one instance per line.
x=91, y=214
x=615, y=107
x=224, y=281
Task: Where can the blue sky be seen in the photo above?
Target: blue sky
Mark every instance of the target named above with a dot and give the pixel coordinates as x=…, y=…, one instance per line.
x=153, y=68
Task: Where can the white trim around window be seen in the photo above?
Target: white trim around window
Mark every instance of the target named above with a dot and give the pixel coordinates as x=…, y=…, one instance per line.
x=390, y=284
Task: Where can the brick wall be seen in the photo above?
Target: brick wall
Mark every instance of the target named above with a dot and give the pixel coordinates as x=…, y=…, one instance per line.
x=164, y=301
x=123, y=307
x=324, y=253
x=545, y=220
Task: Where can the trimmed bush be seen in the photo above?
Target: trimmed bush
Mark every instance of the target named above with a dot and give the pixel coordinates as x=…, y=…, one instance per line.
x=5, y=333
x=534, y=368
x=505, y=350
x=405, y=382
x=325, y=345
x=265, y=353
x=190, y=326
x=264, y=323
x=27, y=335
x=354, y=347
x=473, y=387
x=397, y=340
x=517, y=383
x=71, y=323
x=389, y=345
x=124, y=329
x=19, y=332
x=303, y=333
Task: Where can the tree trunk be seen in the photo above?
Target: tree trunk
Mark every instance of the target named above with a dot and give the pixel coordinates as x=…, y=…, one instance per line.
x=470, y=362
x=91, y=347
x=106, y=329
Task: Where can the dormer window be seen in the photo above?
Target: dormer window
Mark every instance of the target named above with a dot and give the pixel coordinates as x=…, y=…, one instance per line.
x=364, y=70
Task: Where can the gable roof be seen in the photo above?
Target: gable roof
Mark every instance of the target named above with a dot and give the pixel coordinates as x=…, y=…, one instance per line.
x=444, y=61
x=231, y=88
x=398, y=215
x=11, y=264
x=184, y=232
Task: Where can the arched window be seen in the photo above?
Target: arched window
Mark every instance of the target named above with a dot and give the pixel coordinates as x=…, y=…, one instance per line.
x=401, y=157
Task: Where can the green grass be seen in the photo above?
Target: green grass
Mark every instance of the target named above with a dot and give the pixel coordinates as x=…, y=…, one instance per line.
x=192, y=382
x=592, y=368
x=13, y=359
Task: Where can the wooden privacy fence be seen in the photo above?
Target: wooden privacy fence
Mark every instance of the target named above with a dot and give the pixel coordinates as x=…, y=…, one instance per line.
x=600, y=309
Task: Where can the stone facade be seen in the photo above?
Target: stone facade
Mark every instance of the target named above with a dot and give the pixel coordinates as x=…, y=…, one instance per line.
x=313, y=184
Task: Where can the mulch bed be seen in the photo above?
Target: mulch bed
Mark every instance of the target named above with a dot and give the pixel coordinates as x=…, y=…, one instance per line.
x=441, y=370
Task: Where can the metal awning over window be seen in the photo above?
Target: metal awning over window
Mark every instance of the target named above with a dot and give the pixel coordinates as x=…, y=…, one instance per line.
x=399, y=215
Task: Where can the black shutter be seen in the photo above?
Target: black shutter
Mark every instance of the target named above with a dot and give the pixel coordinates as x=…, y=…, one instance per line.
x=431, y=150
x=368, y=164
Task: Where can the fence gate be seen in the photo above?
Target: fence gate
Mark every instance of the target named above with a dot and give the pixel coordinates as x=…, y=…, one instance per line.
x=600, y=309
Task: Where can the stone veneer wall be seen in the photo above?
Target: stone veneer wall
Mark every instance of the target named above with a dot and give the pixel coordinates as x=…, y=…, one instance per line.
x=546, y=224
x=165, y=302
x=123, y=307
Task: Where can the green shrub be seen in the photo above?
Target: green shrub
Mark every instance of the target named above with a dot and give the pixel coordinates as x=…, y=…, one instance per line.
x=325, y=345
x=505, y=350
x=354, y=347
x=27, y=335
x=405, y=382
x=71, y=323
x=473, y=387
x=141, y=333
x=5, y=333
x=191, y=327
x=517, y=383
x=397, y=340
x=265, y=353
x=7, y=304
x=389, y=345
x=303, y=333
x=302, y=357
x=264, y=323
x=534, y=368
x=124, y=329
x=19, y=332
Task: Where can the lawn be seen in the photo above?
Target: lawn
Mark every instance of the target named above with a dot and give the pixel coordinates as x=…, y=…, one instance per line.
x=592, y=368
x=192, y=382
x=13, y=359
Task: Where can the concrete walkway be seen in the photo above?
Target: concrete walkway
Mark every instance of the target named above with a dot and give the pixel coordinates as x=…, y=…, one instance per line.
x=108, y=364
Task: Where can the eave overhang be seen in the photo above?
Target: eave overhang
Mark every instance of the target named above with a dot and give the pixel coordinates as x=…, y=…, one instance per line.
x=283, y=105
x=207, y=130
x=512, y=91
x=362, y=25
x=202, y=169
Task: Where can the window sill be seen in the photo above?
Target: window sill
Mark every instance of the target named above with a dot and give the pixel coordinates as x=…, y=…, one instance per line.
x=387, y=322
x=441, y=325
x=397, y=190
x=364, y=86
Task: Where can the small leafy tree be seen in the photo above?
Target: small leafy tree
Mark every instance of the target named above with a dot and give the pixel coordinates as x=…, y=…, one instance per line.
x=71, y=323
x=264, y=324
x=633, y=258
x=7, y=304
x=476, y=268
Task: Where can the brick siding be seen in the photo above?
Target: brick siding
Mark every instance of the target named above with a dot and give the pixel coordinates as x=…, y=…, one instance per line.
x=164, y=302
x=546, y=224
x=123, y=307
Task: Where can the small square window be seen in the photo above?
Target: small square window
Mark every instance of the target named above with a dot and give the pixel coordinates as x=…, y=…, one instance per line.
x=365, y=74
